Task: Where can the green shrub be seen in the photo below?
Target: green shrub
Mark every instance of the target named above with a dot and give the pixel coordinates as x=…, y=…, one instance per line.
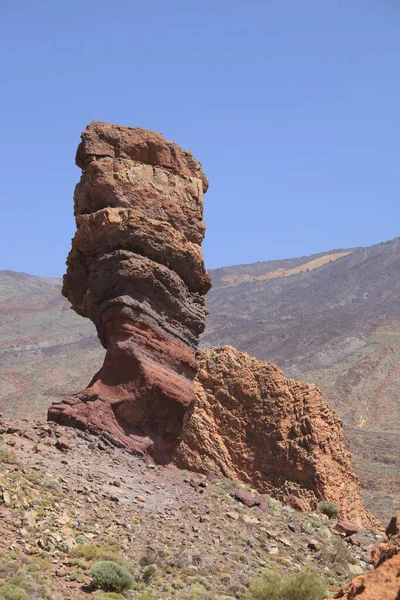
x=328, y=508
x=110, y=577
x=297, y=586
x=7, y=566
x=91, y=553
x=110, y=596
x=149, y=573
x=339, y=554
x=11, y=592
x=32, y=583
x=7, y=457
x=267, y=588
x=303, y=586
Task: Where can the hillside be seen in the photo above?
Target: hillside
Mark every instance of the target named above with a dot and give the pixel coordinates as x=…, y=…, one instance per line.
x=332, y=319
x=69, y=499
x=46, y=350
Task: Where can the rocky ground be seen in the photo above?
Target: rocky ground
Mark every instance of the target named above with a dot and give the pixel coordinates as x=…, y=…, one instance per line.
x=69, y=499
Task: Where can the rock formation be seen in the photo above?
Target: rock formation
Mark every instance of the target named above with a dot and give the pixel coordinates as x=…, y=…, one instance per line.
x=381, y=584
x=276, y=434
x=136, y=270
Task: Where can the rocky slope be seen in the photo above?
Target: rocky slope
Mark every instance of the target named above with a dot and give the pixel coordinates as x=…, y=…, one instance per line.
x=69, y=499
x=136, y=270
x=384, y=582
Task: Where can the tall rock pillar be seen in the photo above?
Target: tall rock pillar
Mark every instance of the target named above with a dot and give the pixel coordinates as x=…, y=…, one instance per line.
x=136, y=270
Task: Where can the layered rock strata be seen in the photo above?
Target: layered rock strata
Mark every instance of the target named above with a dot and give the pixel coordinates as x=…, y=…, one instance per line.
x=278, y=435
x=136, y=270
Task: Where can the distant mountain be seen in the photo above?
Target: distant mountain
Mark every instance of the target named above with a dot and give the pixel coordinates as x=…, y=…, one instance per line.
x=46, y=349
x=331, y=318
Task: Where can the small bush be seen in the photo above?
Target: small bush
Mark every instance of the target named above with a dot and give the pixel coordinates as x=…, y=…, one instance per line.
x=149, y=573
x=328, y=508
x=110, y=577
x=297, y=586
x=7, y=457
x=339, y=554
x=303, y=586
x=11, y=592
x=266, y=588
x=92, y=553
x=110, y=596
x=7, y=567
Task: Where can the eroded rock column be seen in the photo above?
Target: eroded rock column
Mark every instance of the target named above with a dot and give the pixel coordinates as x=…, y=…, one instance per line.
x=136, y=270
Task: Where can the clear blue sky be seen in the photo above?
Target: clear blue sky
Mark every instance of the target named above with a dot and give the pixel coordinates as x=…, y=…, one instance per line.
x=292, y=106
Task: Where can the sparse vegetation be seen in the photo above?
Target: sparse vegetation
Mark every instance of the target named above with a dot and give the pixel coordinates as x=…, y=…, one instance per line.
x=339, y=554
x=11, y=592
x=175, y=554
x=7, y=457
x=91, y=553
x=149, y=573
x=110, y=596
x=328, y=508
x=297, y=586
x=111, y=577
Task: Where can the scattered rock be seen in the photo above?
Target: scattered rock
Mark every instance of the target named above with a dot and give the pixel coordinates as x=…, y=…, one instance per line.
x=62, y=443
x=314, y=545
x=250, y=520
x=232, y=514
x=346, y=527
x=246, y=497
x=198, y=482
x=354, y=569
x=6, y=498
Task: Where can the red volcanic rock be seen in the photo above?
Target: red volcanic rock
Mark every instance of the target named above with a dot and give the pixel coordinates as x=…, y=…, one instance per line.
x=299, y=504
x=278, y=435
x=246, y=497
x=136, y=270
x=381, y=584
x=346, y=527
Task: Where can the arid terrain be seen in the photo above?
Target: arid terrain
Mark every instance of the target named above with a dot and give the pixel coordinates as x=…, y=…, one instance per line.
x=332, y=319
x=69, y=499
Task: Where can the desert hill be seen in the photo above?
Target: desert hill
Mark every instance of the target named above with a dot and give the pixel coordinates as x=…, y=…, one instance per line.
x=332, y=319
